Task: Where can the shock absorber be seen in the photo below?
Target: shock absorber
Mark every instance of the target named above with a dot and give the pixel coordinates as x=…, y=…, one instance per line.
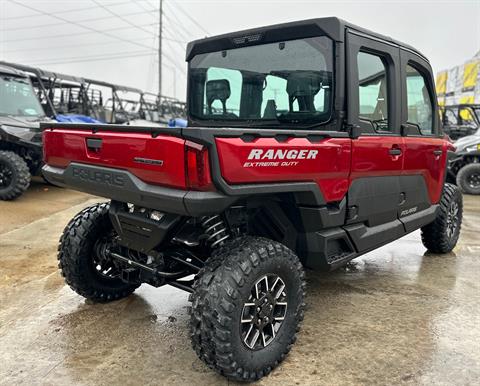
x=215, y=230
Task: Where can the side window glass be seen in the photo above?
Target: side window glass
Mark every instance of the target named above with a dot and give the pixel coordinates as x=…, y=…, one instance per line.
x=419, y=101
x=275, y=97
x=372, y=91
x=449, y=118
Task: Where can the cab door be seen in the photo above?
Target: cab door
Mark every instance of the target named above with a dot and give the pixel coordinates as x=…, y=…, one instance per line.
x=378, y=153
x=425, y=148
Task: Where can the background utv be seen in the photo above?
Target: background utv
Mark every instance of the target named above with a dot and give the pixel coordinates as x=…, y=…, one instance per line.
x=20, y=135
x=308, y=144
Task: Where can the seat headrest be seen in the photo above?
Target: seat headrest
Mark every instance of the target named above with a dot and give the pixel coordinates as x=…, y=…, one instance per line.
x=217, y=89
x=303, y=84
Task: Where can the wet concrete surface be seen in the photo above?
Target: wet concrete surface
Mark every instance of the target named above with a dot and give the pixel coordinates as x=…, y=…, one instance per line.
x=39, y=200
x=394, y=316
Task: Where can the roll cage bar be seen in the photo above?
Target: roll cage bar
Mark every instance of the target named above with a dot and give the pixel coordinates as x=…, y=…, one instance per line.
x=84, y=94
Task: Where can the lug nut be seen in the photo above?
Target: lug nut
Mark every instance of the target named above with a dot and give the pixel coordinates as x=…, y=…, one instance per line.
x=258, y=309
x=271, y=306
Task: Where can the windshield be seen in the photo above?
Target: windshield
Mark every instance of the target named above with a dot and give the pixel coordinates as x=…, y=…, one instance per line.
x=461, y=115
x=18, y=98
x=266, y=84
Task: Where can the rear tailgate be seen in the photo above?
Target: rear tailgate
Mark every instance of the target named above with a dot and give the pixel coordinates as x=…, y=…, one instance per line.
x=155, y=160
x=145, y=166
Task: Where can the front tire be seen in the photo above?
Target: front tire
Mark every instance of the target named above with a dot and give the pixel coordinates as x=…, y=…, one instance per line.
x=442, y=234
x=14, y=175
x=468, y=178
x=247, y=305
x=80, y=260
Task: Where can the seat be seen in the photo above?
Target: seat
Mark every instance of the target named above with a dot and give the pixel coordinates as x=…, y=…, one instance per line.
x=270, y=111
x=302, y=87
x=218, y=89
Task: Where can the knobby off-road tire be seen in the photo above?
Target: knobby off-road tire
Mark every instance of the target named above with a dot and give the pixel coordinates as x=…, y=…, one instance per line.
x=78, y=256
x=468, y=178
x=222, y=291
x=14, y=175
x=441, y=235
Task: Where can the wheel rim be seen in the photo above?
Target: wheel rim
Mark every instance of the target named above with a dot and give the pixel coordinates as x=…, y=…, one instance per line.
x=473, y=180
x=452, y=219
x=264, y=312
x=104, y=265
x=6, y=175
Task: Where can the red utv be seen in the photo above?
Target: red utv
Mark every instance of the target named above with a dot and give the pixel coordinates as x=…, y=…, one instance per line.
x=308, y=144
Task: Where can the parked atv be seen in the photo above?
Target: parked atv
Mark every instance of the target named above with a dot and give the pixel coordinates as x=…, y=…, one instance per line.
x=464, y=168
x=308, y=144
x=461, y=120
x=20, y=135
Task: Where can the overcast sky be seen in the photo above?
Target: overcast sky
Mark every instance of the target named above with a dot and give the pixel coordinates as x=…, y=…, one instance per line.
x=62, y=35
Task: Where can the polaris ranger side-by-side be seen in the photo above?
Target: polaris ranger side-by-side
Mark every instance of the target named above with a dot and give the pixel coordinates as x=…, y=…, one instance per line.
x=20, y=135
x=462, y=122
x=308, y=144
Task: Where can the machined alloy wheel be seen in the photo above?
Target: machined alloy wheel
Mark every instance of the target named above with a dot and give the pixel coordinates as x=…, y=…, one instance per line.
x=452, y=219
x=264, y=312
x=103, y=263
x=247, y=305
x=84, y=260
x=441, y=235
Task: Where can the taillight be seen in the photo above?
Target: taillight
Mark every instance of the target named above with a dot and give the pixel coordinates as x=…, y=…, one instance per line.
x=198, y=175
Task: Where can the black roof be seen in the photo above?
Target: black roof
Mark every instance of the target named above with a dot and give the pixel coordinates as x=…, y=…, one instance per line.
x=113, y=86
x=333, y=27
x=43, y=73
x=12, y=71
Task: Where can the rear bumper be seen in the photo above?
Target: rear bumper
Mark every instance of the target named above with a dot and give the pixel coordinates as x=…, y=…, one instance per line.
x=121, y=185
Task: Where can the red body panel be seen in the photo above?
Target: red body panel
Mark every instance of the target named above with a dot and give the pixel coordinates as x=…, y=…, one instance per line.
x=371, y=157
x=329, y=168
x=332, y=163
x=118, y=150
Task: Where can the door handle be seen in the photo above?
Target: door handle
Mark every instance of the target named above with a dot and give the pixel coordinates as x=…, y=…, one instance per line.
x=94, y=144
x=395, y=151
x=438, y=152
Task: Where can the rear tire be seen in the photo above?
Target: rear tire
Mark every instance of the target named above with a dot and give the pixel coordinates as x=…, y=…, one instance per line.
x=468, y=178
x=78, y=257
x=224, y=324
x=14, y=175
x=442, y=234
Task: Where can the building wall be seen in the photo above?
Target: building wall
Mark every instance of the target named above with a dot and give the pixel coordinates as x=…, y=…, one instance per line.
x=460, y=84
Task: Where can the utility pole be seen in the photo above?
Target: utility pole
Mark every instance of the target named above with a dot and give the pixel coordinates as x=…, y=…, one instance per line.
x=160, y=49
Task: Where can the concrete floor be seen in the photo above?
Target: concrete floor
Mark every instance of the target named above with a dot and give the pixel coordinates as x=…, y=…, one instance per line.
x=394, y=316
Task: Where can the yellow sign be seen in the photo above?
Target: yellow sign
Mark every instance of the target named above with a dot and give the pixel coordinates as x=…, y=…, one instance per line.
x=441, y=83
x=465, y=114
x=470, y=74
